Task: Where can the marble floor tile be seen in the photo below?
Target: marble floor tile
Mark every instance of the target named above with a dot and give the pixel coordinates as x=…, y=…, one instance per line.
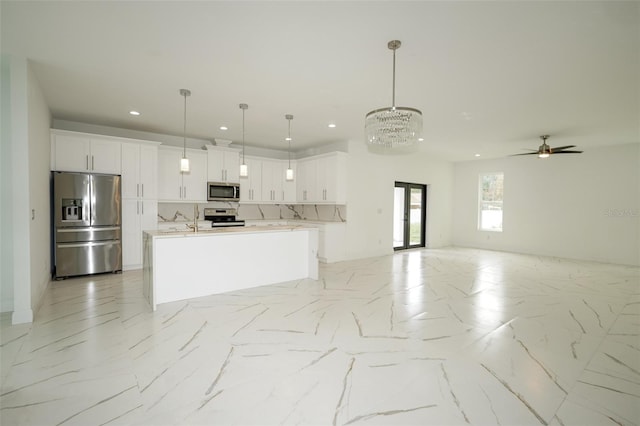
x=423, y=337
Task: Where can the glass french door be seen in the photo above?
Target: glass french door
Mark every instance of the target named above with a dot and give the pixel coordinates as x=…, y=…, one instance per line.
x=409, y=215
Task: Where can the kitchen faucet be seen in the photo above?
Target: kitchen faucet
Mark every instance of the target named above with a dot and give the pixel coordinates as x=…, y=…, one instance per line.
x=196, y=213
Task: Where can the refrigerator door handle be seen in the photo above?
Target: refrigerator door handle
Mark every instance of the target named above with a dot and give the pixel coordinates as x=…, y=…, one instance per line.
x=88, y=244
x=107, y=228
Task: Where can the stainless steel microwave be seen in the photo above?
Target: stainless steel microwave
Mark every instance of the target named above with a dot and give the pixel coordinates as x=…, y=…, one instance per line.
x=221, y=191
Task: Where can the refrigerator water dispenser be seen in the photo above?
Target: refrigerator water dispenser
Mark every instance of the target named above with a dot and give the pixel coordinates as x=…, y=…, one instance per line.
x=71, y=209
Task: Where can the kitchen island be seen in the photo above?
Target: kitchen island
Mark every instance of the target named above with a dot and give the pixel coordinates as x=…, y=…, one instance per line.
x=180, y=265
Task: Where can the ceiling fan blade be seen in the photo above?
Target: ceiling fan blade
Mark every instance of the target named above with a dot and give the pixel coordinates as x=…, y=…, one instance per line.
x=559, y=148
x=566, y=152
x=526, y=153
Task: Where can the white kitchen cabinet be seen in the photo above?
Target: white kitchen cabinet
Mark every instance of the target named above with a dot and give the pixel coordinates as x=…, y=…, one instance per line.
x=288, y=186
x=251, y=186
x=176, y=186
x=275, y=187
x=272, y=180
x=139, y=198
x=331, y=178
x=223, y=164
x=140, y=171
x=306, y=180
x=322, y=179
x=138, y=215
x=82, y=152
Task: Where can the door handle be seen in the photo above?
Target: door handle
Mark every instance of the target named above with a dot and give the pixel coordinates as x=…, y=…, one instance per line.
x=92, y=166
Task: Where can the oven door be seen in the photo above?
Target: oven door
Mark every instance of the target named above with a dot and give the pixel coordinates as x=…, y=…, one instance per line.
x=223, y=191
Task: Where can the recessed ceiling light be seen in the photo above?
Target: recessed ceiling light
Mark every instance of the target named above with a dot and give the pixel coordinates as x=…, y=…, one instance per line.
x=420, y=139
x=332, y=125
x=134, y=113
x=477, y=155
x=287, y=139
x=224, y=128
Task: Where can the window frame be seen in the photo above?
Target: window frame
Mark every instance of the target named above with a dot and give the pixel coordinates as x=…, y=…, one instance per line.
x=482, y=201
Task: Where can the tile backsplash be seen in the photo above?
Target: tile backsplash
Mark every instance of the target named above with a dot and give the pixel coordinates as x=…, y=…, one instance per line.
x=181, y=212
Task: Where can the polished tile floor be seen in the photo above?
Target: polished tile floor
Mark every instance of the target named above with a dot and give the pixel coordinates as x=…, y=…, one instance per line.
x=441, y=337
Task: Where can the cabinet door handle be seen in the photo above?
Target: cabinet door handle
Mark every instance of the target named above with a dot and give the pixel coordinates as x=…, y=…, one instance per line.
x=142, y=207
x=137, y=207
x=142, y=192
x=180, y=193
x=92, y=166
x=185, y=192
x=137, y=189
x=87, y=158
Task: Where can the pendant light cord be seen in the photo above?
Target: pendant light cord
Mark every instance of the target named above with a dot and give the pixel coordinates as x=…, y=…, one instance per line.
x=242, y=134
x=393, y=90
x=289, y=142
x=184, y=130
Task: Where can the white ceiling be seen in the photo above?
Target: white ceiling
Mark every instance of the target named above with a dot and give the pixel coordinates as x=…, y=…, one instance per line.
x=489, y=77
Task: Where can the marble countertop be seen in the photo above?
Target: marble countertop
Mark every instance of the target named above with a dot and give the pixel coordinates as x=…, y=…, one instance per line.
x=208, y=231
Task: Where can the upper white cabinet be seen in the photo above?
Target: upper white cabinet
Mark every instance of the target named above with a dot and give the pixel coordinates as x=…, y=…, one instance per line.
x=139, y=171
x=251, y=186
x=81, y=152
x=174, y=185
x=322, y=179
x=223, y=164
x=272, y=181
x=306, y=180
x=332, y=178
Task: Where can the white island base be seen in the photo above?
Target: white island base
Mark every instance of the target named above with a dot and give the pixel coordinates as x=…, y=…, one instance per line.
x=180, y=266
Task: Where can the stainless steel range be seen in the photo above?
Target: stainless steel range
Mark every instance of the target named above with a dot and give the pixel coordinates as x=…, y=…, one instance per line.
x=222, y=217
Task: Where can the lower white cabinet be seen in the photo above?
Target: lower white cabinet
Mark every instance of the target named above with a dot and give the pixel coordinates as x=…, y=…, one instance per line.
x=137, y=216
x=331, y=236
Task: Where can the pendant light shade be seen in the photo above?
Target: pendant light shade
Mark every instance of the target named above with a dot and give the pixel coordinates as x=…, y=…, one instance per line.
x=244, y=170
x=184, y=162
x=393, y=127
x=289, y=173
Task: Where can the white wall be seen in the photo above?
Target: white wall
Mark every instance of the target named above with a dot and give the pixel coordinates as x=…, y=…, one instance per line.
x=371, y=179
x=39, y=194
x=584, y=206
x=25, y=249
x=6, y=212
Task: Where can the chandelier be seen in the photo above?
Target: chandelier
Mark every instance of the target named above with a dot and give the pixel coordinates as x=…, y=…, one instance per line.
x=393, y=127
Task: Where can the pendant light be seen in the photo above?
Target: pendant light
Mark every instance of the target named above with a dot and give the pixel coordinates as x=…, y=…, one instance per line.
x=184, y=162
x=393, y=127
x=244, y=170
x=289, y=172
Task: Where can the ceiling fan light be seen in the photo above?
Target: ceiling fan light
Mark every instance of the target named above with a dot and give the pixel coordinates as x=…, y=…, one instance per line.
x=543, y=155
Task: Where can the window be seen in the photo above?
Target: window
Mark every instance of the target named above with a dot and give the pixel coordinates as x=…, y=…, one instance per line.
x=491, y=188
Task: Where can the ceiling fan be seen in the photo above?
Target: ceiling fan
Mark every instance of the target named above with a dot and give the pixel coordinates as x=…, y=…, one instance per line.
x=545, y=150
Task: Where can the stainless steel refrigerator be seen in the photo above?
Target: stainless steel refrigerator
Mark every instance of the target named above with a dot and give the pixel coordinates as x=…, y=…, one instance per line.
x=86, y=222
